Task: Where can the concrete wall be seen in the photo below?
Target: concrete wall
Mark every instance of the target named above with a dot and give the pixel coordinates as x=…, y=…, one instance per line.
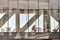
x=23, y=4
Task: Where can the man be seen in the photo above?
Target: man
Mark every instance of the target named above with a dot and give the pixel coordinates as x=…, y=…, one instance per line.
x=34, y=28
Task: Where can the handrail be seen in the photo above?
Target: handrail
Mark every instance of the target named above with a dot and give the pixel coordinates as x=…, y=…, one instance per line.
x=56, y=29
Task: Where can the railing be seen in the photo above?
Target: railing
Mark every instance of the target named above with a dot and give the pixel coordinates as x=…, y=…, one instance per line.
x=28, y=35
x=24, y=35
x=56, y=29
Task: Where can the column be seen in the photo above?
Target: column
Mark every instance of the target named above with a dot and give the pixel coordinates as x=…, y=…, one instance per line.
x=17, y=21
x=46, y=21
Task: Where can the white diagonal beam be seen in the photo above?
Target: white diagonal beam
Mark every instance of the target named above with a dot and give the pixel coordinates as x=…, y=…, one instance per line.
x=5, y=18
x=30, y=22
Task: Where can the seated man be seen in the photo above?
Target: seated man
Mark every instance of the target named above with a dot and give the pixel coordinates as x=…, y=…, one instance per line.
x=34, y=28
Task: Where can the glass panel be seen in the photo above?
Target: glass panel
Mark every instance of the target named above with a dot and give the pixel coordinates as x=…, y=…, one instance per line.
x=4, y=23
x=37, y=19
x=3, y=28
x=12, y=23
x=8, y=23
x=40, y=28
x=54, y=21
x=23, y=6
x=23, y=20
x=32, y=19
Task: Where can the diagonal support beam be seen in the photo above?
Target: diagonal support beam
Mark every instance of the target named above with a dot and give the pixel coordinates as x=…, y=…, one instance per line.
x=5, y=18
x=30, y=22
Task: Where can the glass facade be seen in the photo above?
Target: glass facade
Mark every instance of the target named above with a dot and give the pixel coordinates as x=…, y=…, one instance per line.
x=29, y=19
